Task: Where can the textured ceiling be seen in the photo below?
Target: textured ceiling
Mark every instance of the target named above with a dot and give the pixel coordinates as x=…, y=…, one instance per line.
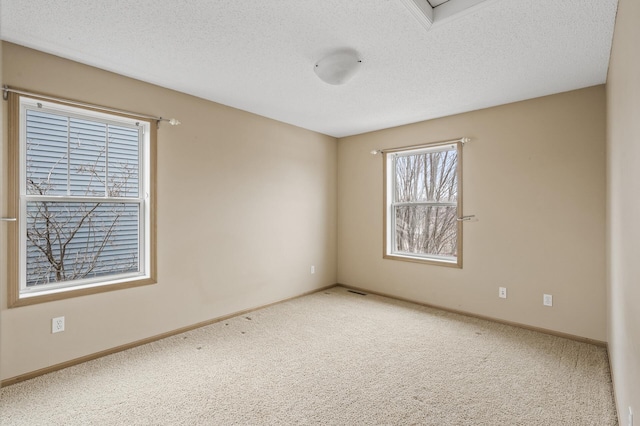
x=258, y=55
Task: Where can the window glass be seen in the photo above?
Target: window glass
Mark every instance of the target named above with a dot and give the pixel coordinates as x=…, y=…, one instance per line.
x=423, y=204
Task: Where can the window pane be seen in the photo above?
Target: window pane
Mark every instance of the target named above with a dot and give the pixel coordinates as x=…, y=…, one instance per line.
x=426, y=229
x=74, y=154
x=70, y=241
x=124, y=161
x=46, y=167
x=429, y=176
x=87, y=148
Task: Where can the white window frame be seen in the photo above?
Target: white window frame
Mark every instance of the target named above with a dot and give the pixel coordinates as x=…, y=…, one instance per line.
x=389, y=251
x=145, y=200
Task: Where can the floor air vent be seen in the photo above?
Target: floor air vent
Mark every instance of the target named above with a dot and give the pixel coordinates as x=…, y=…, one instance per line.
x=357, y=292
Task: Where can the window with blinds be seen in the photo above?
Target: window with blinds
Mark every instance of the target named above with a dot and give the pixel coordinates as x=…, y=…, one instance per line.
x=84, y=198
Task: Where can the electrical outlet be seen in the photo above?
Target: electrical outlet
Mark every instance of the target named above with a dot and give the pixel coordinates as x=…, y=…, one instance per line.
x=57, y=325
x=313, y=269
x=547, y=300
x=502, y=292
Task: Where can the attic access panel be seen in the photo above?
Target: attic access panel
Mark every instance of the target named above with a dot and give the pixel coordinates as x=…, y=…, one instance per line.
x=436, y=3
x=435, y=12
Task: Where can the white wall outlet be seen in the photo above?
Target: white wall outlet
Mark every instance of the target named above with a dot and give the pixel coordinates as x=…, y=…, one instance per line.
x=313, y=269
x=502, y=292
x=57, y=325
x=630, y=420
x=547, y=300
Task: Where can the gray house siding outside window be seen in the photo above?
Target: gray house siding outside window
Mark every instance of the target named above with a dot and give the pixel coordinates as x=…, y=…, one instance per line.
x=77, y=158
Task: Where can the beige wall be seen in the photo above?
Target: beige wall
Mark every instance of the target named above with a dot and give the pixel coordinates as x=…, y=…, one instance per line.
x=245, y=206
x=3, y=225
x=534, y=175
x=623, y=224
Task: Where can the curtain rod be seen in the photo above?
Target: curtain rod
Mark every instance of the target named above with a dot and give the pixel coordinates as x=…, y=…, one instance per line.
x=424, y=145
x=6, y=89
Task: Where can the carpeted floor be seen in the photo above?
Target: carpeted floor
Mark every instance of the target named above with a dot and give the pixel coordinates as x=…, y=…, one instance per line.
x=331, y=358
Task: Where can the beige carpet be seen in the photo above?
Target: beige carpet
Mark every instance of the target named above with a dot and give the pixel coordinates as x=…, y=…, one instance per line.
x=331, y=358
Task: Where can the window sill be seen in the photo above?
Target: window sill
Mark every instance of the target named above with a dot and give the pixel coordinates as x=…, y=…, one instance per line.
x=453, y=263
x=67, y=293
